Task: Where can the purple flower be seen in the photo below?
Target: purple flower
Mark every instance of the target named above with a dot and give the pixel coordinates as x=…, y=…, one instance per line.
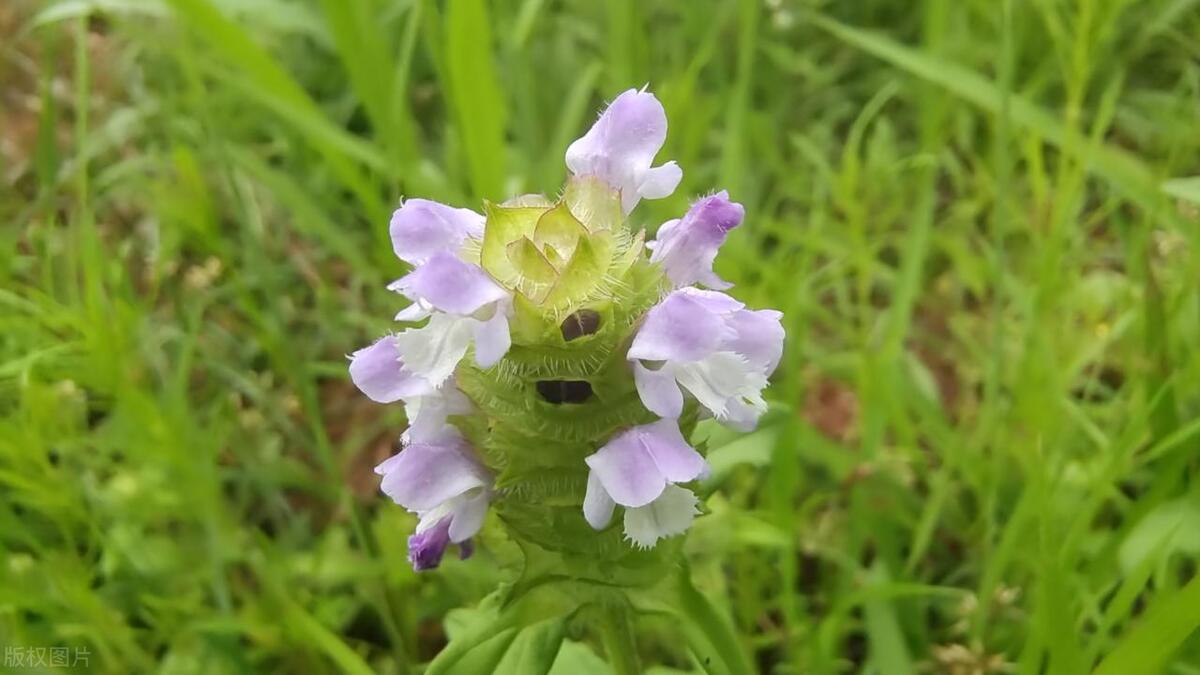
x=379, y=373
x=709, y=344
x=463, y=305
x=621, y=145
x=687, y=247
x=638, y=469
x=420, y=228
x=446, y=486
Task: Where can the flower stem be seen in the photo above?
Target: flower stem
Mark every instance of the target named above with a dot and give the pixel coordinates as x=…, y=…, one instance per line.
x=619, y=642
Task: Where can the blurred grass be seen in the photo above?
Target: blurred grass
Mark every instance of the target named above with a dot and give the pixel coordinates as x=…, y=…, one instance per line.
x=979, y=218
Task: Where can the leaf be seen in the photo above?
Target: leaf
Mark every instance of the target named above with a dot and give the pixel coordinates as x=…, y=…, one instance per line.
x=709, y=632
x=302, y=624
x=1165, y=625
x=252, y=70
x=1187, y=189
x=889, y=653
x=535, y=650
x=1171, y=527
x=1123, y=170
x=576, y=658
x=479, y=108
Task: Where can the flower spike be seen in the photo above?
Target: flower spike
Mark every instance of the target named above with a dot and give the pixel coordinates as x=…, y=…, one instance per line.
x=511, y=371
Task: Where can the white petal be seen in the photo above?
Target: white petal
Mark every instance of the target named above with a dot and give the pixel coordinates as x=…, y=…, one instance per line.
x=716, y=379
x=414, y=312
x=492, y=339
x=671, y=514
x=597, y=505
x=743, y=416
x=468, y=516
x=433, y=351
x=658, y=390
x=660, y=181
x=427, y=414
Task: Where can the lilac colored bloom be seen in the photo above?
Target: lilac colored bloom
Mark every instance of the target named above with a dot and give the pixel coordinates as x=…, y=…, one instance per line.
x=638, y=469
x=621, y=145
x=420, y=228
x=464, y=305
x=709, y=344
x=446, y=486
x=380, y=374
x=687, y=247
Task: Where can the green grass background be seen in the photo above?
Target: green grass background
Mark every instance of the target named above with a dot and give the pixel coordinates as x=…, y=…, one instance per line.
x=984, y=453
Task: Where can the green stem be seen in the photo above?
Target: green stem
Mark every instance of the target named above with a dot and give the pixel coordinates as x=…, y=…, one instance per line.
x=619, y=641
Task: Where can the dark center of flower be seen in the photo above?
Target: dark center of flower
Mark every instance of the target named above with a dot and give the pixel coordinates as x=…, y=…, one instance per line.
x=581, y=323
x=564, y=391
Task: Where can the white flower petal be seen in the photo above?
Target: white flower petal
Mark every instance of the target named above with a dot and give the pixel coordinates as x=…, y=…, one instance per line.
x=468, y=513
x=658, y=390
x=434, y=350
x=492, y=339
x=717, y=378
x=597, y=505
x=668, y=515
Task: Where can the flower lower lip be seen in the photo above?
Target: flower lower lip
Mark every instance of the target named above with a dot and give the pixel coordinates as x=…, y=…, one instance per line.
x=564, y=391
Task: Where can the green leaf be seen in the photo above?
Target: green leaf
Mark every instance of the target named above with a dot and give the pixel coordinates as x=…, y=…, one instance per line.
x=889, y=653
x=1123, y=170
x=1184, y=188
x=479, y=108
x=535, y=650
x=1165, y=625
x=709, y=633
x=303, y=625
x=1171, y=527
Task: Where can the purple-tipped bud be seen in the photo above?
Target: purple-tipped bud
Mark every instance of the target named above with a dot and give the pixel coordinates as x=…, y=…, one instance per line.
x=426, y=548
x=686, y=248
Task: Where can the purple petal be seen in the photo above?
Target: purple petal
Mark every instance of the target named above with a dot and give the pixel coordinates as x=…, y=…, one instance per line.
x=426, y=548
x=450, y=284
x=658, y=390
x=597, y=505
x=680, y=328
x=378, y=372
x=420, y=228
x=621, y=145
x=676, y=460
x=626, y=470
x=758, y=337
x=686, y=249
x=424, y=475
